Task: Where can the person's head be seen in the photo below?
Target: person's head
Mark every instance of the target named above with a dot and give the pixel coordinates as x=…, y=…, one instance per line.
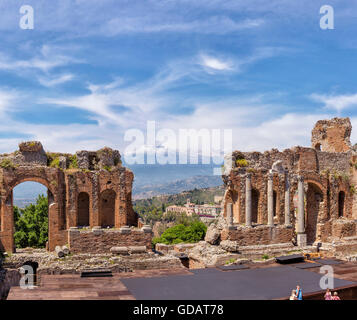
x=335, y=293
x=328, y=290
x=297, y=287
x=292, y=292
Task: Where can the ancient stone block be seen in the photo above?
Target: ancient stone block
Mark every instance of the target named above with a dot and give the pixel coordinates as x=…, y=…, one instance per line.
x=230, y=246
x=212, y=234
x=119, y=250
x=137, y=249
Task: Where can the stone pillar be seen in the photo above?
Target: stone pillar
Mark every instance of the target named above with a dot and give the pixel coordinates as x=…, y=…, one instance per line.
x=270, y=201
x=301, y=236
x=8, y=224
x=248, y=200
x=230, y=216
x=287, y=200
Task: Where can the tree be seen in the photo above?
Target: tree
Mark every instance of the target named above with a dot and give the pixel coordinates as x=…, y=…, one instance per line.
x=31, y=224
x=192, y=233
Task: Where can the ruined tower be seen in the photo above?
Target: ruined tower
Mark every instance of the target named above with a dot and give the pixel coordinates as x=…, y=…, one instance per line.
x=332, y=135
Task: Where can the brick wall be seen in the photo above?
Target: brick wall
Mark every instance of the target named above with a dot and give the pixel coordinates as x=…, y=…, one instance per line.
x=101, y=240
x=343, y=228
x=259, y=235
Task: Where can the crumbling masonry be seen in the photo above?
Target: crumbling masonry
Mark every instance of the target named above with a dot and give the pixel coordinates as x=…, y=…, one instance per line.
x=88, y=189
x=304, y=195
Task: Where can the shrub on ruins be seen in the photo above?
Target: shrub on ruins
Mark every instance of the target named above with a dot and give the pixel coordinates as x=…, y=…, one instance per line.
x=180, y=233
x=31, y=224
x=6, y=164
x=241, y=163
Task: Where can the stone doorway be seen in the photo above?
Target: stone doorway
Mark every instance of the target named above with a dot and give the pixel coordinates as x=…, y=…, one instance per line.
x=83, y=210
x=314, y=208
x=107, y=208
x=255, y=205
x=341, y=203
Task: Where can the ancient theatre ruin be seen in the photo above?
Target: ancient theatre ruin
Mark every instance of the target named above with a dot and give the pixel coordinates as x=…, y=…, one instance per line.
x=87, y=189
x=303, y=195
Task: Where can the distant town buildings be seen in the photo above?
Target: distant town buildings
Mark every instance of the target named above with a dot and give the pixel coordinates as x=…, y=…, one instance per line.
x=204, y=210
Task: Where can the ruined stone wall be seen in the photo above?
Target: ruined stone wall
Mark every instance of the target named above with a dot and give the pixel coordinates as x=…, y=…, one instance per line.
x=334, y=162
x=342, y=228
x=298, y=159
x=259, y=235
x=102, y=240
x=329, y=170
x=78, y=183
x=332, y=135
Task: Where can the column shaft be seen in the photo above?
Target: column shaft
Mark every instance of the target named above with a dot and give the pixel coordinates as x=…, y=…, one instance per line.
x=287, y=200
x=301, y=206
x=248, y=200
x=230, y=214
x=270, y=201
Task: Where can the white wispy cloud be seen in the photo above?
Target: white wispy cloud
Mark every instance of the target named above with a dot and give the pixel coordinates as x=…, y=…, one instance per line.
x=45, y=60
x=209, y=25
x=52, y=81
x=215, y=64
x=336, y=102
x=7, y=99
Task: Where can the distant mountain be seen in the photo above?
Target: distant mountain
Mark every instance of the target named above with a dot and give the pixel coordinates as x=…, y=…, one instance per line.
x=199, y=196
x=27, y=192
x=153, y=174
x=196, y=182
x=149, y=180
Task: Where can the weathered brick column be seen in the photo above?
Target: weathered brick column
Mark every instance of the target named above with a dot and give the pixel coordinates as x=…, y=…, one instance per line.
x=248, y=200
x=301, y=235
x=270, y=201
x=287, y=200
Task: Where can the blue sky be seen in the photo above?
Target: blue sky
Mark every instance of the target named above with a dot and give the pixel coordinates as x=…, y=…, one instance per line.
x=90, y=70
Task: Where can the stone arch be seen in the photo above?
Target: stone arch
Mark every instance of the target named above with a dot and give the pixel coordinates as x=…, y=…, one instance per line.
x=41, y=180
x=314, y=210
x=9, y=206
x=57, y=220
x=107, y=202
x=341, y=203
x=255, y=205
x=83, y=209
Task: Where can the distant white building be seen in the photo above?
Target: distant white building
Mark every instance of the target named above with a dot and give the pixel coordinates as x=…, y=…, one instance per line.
x=205, y=210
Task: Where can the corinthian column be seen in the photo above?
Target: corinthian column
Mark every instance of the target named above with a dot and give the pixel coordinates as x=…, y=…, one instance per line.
x=270, y=201
x=248, y=200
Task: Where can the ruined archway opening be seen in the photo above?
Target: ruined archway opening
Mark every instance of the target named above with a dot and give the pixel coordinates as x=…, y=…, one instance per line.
x=30, y=202
x=341, y=203
x=107, y=208
x=314, y=209
x=235, y=207
x=274, y=203
x=83, y=210
x=255, y=205
x=318, y=146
